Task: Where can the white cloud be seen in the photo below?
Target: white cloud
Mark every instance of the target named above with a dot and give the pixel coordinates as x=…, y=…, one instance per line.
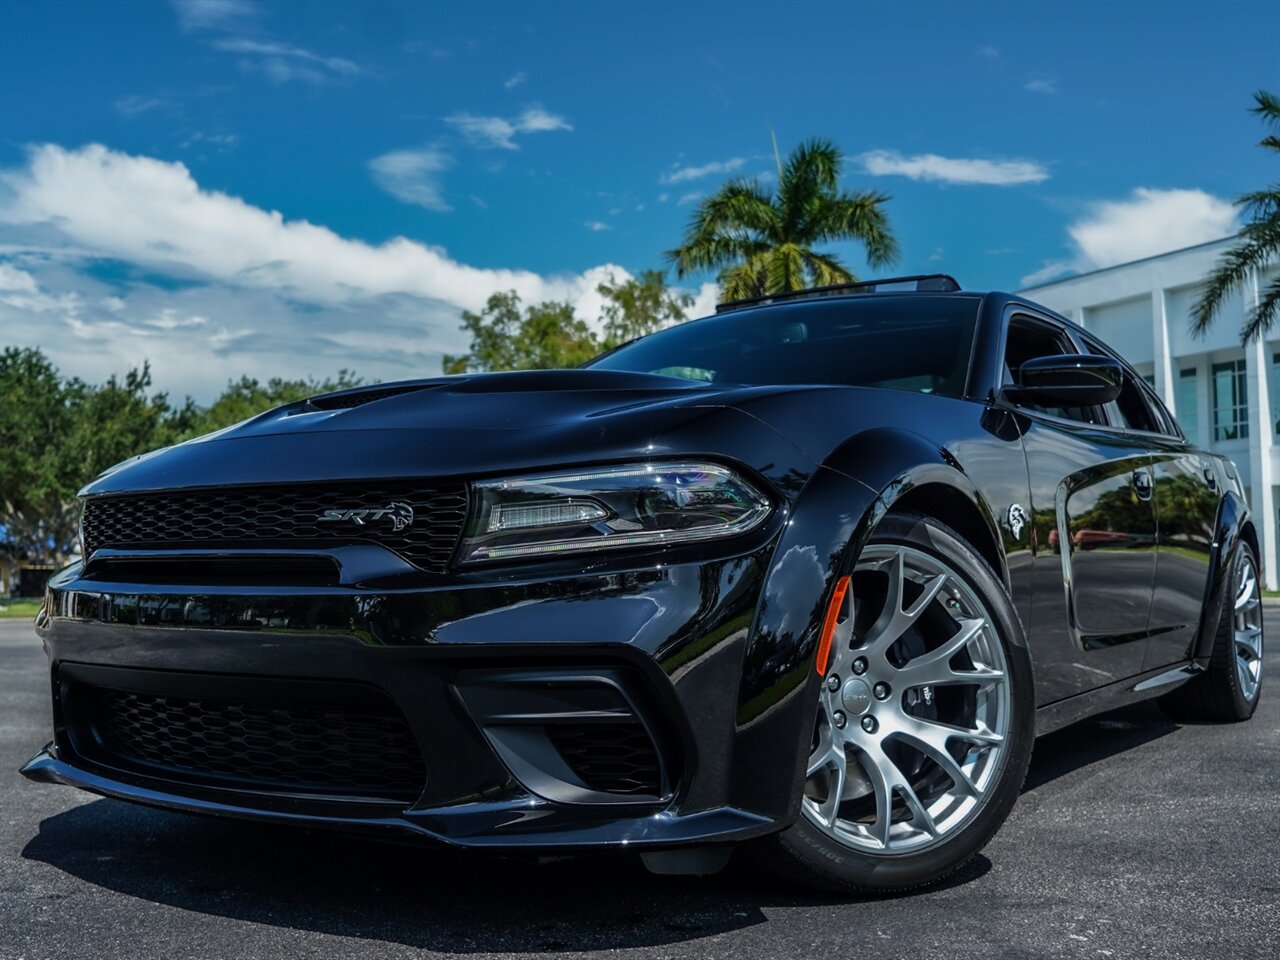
x=683, y=174
x=228, y=15
x=688, y=198
x=151, y=212
x=501, y=132
x=1041, y=85
x=413, y=176
x=16, y=282
x=595, y=226
x=989, y=52
x=285, y=61
x=515, y=80
x=135, y=105
x=1148, y=222
x=930, y=166
x=219, y=142
x=536, y=120
x=705, y=300
x=248, y=291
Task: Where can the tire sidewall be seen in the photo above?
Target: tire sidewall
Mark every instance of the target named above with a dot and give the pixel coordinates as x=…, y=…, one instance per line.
x=855, y=869
x=1226, y=644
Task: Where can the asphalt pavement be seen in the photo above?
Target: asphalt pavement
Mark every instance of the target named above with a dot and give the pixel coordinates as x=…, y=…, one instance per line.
x=1134, y=837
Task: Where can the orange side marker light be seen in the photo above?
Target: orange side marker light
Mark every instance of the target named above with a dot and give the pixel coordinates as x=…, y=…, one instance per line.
x=829, y=625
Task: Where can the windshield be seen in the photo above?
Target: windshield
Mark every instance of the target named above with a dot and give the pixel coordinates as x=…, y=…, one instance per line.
x=902, y=342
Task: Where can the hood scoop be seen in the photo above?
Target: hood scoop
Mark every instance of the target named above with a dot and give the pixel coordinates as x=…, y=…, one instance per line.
x=360, y=396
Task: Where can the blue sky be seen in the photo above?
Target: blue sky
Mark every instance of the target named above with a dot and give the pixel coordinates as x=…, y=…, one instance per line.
x=227, y=187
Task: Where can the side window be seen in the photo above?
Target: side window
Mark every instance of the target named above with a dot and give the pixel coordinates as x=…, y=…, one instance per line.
x=1166, y=424
x=1133, y=405
x=1028, y=339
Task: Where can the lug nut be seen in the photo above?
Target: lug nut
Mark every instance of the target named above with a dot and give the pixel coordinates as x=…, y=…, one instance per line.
x=839, y=719
x=869, y=724
x=860, y=666
x=881, y=691
x=833, y=683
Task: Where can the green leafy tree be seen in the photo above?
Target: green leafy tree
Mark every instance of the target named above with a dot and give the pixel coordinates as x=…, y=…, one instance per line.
x=57, y=434
x=764, y=241
x=549, y=335
x=640, y=306
x=542, y=336
x=1259, y=244
x=248, y=397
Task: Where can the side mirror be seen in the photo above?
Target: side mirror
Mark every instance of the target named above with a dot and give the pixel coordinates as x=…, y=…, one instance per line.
x=1068, y=380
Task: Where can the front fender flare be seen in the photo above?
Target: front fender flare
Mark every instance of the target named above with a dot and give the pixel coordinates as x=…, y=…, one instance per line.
x=831, y=521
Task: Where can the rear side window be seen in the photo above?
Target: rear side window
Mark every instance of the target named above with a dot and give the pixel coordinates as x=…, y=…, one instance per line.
x=1133, y=406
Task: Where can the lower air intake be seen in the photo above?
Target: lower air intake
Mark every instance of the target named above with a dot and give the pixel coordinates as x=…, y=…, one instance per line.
x=353, y=750
x=614, y=758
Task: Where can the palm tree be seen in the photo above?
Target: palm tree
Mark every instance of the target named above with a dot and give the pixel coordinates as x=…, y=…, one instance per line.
x=762, y=242
x=1259, y=245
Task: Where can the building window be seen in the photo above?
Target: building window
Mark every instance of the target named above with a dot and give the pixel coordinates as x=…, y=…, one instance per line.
x=1273, y=389
x=1230, y=401
x=1188, y=401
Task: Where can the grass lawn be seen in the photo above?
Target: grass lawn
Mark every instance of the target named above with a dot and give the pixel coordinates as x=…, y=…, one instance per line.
x=18, y=609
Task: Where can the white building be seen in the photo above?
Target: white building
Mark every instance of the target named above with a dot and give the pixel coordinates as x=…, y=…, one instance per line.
x=1225, y=396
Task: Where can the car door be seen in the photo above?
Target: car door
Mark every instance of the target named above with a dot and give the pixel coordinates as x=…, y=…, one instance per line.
x=1186, y=505
x=1094, y=523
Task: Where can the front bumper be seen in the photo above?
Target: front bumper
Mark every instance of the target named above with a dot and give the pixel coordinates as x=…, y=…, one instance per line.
x=448, y=654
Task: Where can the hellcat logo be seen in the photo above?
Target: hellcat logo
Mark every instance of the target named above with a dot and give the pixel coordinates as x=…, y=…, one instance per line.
x=1017, y=520
x=400, y=515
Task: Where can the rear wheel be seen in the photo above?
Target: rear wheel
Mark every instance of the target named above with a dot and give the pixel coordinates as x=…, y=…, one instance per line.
x=1232, y=685
x=924, y=726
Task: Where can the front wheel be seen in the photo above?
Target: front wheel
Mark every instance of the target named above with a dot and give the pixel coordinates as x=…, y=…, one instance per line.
x=925, y=722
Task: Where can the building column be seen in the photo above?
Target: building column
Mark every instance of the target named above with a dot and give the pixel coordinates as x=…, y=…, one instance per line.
x=1261, y=438
x=1076, y=316
x=1166, y=374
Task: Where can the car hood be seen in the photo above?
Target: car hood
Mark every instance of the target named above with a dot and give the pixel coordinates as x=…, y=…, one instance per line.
x=469, y=426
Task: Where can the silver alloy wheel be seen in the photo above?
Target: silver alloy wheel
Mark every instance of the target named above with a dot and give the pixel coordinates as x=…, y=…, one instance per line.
x=1247, y=623
x=915, y=707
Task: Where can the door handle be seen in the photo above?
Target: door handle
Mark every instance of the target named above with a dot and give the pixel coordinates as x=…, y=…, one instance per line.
x=1142, y=483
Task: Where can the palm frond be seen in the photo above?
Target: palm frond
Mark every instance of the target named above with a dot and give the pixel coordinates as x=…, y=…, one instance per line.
x=1268, y=107
x=858, y=216
x=727, y=226
x=1263, y=316
x=744, y=280
x=825, y=270
x=1261, y=204
x=785, y=269
x=1259, y=243
x=1258, y=246
x=813, y=169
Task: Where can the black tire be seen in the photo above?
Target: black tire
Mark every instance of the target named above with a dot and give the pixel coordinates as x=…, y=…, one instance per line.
x=804, y=854
x=1216, y=695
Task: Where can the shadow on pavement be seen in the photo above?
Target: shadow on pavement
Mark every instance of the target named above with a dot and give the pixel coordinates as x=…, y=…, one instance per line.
x=1095, y=739
x=424, y=897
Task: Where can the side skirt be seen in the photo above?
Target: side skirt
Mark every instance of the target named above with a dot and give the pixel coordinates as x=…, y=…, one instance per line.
x=1144, y=686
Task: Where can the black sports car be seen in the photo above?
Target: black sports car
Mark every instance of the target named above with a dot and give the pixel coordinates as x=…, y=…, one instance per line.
x=804, y=579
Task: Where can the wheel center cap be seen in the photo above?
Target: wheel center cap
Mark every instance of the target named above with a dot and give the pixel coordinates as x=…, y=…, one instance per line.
x=856, y=696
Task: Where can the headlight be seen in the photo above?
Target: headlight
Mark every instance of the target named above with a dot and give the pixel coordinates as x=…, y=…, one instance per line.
x=623, y=506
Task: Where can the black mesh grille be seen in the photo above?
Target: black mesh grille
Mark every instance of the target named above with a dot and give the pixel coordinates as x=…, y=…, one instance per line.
x=364, y=751
x=610, y=757
x=281, y=516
